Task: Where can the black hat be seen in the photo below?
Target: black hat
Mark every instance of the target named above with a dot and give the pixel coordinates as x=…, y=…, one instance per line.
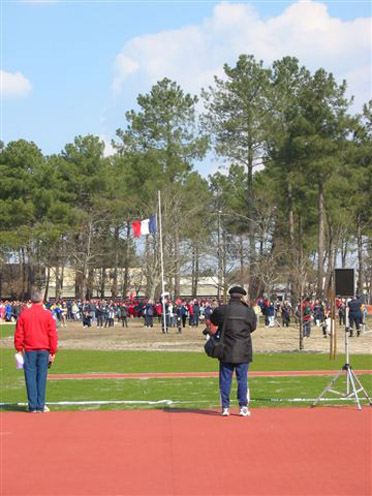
x=237, y=290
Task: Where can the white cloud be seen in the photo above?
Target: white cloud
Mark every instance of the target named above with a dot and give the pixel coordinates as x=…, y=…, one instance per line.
x=124, y=66
x=109, y=149
x=193, y=54
x=14, y=84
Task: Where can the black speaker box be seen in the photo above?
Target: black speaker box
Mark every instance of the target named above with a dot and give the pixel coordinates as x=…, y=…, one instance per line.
x=344, y=282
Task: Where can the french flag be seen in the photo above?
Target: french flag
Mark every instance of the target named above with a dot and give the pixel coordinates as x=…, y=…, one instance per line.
x=141, y=227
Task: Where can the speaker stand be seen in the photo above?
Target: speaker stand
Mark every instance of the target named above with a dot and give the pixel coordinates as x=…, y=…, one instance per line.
x=352, y=382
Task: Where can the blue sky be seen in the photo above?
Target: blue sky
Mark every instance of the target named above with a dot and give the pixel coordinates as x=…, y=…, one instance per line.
x=72, y=68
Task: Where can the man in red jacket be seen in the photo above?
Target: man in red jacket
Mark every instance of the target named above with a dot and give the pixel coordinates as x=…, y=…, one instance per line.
x=36, y=335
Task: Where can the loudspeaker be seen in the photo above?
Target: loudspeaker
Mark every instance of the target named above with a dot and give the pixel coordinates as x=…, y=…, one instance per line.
x=344, y=282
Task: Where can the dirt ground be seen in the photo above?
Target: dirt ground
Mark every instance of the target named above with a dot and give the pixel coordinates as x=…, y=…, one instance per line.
x=137, y=337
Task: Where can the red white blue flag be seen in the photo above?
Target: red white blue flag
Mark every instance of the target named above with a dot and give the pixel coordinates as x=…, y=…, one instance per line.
x=146, y=226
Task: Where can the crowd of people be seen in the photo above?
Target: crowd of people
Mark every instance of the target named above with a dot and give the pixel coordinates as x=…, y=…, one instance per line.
x=104, y=313
x=276, y=312
x=311, y=312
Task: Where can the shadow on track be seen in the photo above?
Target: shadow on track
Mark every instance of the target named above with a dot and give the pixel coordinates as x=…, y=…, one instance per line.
x=192, y=410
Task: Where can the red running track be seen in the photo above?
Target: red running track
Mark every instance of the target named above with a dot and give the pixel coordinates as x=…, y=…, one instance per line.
x=174, y=375
x=275, y=452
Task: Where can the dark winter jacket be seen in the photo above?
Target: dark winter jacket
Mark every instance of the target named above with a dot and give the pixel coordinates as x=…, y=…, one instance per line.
x=355, y=307
x=241, y=321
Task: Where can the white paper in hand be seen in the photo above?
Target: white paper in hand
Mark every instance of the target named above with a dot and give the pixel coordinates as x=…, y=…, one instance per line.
x=19, y=359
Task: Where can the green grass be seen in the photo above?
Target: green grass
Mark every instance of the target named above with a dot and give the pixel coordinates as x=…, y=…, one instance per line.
x=190, y=392
x=88, y=361
x=193, y=392
x=6, y=330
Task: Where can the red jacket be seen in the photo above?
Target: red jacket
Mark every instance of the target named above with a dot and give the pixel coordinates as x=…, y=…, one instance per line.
x=36, y=330
x=307, y=311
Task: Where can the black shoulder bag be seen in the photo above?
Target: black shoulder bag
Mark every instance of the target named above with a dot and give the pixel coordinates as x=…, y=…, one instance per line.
x=215, y=346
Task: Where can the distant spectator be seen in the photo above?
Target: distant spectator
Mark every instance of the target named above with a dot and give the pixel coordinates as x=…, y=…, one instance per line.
x=158, y=310
x=355, y=315
x=148, y=313
x=318, y=312
x=270, y=312
x=286, y=314
x=307, y=311
x=185, y=314
x=124, y=315
x=195, y=321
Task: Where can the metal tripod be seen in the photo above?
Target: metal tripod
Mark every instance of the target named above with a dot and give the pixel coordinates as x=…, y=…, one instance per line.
x=352, y=381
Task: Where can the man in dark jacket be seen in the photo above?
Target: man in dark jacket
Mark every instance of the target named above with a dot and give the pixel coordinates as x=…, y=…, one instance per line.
x=355, y=314
x=240, y=322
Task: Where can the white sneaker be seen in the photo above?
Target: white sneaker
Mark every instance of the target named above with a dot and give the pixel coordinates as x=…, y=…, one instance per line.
x=46, y=409
x=244, y=412
x=225, y=412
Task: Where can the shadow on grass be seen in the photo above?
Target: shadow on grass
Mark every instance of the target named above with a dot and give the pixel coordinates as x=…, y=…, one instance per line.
x=13, y=408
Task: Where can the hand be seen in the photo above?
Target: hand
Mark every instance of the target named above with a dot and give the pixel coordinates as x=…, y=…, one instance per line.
x=51, y=357
x=212, y=329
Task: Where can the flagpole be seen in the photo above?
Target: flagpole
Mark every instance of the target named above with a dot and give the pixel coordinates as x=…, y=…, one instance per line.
x=162, y=267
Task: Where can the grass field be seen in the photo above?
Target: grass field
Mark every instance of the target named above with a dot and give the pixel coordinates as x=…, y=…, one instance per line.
x=6, y=330
x=190, y=392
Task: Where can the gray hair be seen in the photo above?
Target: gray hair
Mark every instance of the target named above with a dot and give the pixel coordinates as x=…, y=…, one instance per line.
x=36, y=296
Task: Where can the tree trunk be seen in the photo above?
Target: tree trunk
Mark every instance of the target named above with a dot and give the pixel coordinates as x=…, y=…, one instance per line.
x=177, y=263
x=335, y=251
x=195, y=271
x=24, y=276
x=125, y=288
x=79, y=269
x=241, y=259
x=344, y=252
x=193, y=295
x=57, y=291
x=59, y=282
x=79, y=285
x=102, y=283
x=292, y=242
x=330, y=267
x=30, y=274
x=262, y=242
x=360, y=285
x=219, y=257
x=321, y=240
x=224, y=265
x=90, y=284
x=46, y=290
x=169, y=262
x=62, y=278
x=114, y=288
x=252, y=248
x=260, y=285
x=30, y=279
